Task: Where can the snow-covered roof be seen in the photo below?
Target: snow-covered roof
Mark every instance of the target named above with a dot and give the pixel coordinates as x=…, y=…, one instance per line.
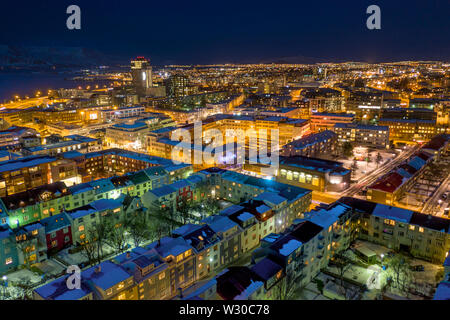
x=244, y=216
x=254, y=285
x=394, y=213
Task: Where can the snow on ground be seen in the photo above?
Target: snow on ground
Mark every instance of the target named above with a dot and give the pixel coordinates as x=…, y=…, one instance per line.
x=365, y=168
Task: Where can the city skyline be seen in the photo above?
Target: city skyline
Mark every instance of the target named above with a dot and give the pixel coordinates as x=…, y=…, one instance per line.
x=225, y=151
x=249, y=32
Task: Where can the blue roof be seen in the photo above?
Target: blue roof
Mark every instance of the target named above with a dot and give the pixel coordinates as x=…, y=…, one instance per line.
x=33, y=226
x=56, y=222
x=110, y=275
x=231, y=209
x=244, y=216
x=11, y=165
x=442, y=291
x=271, y=197
x=58, y=290
x=219, y=223
x=163, y=191
x=81, y=212
x=136, y=125
x=5, y=232
x=72, y=154
x=266, y=268
x=447, y=260
x=417, y=163
x=180, y=184
x=393, y=213
x=108, y=204
x=326, y=217
x=173, y=246
x=187, y=228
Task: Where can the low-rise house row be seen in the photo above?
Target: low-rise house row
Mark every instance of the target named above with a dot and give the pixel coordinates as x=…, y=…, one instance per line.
x=389, y=188
x=172, y=264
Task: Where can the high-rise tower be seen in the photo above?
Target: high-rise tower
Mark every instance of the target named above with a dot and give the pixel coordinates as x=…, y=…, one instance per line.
x=141, y=72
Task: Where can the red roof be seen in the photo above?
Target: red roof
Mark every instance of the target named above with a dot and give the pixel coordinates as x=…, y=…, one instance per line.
x=437, y=142
x=388, y=183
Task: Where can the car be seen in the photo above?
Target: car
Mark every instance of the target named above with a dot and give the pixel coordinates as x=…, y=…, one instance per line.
x=444, y=196
x=418, y=268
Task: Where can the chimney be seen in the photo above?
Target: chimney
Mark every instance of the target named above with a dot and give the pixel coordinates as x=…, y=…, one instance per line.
x=180, y=293
x=98, y=269
x=128, y=255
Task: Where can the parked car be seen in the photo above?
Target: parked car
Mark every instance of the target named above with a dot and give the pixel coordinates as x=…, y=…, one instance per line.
x=418, y=268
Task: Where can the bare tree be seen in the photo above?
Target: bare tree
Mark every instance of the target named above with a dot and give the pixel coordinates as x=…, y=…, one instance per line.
x=99, y=233
x=165, y=216
x=378, y=159
x=90, y=250
x=285, y=288
x=184, y=209
x=400, y=267
x=116, y=238
x=342, y=266
x=24, y=244
x=139, y=228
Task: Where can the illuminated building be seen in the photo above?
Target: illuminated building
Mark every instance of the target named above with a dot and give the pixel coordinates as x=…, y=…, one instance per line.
x=14, y=135
x=127, y=135
x=112, y=114
x=177, y=86
x=141, y=72
x=313, y=173
x=26, y=173
x=313, y=145
x=365, y=135
x=326, y=121
x=70, y=143
x=405, y=130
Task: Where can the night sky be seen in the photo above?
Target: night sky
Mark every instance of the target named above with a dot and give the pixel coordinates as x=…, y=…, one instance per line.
x=215, y=31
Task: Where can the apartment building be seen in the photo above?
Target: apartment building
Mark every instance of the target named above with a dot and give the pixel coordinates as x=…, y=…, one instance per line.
x=127, y=135
x=107, y=281
x=423, y=236
x=172, y=264
x=365, y=135
x=326, y=121
x=70, y=143
x=410, y=130
x=313, y=145
x=14, y=135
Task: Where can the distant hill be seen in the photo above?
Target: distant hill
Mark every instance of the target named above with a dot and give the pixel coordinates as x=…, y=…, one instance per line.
x=48, y=57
